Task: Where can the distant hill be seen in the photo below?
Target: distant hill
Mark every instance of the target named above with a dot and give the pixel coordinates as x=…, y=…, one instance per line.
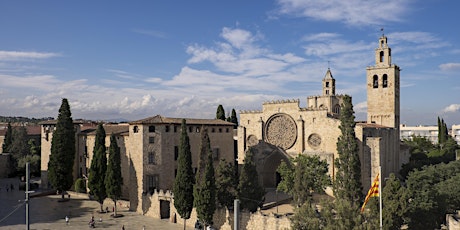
x=24, y=119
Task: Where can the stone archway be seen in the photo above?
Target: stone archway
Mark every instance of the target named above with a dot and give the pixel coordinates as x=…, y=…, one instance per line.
x=267, y=158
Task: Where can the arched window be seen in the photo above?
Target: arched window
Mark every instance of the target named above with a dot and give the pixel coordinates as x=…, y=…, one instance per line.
x=375, y=82
x=381, y=56
x=337, y=109
x=135, y=129
x=385, y=81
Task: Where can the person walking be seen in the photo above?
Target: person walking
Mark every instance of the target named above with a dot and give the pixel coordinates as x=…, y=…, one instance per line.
x=67, y=220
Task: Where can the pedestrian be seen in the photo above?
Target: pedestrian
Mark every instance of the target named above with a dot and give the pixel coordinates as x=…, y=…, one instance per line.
x=122, y=227
x=66, y=220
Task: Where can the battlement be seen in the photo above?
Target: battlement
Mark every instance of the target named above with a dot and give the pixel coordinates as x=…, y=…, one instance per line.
x=282, y=101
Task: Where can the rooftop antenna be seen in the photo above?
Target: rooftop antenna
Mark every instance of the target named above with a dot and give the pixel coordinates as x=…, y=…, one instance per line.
x=383, y=34
x=328, y=65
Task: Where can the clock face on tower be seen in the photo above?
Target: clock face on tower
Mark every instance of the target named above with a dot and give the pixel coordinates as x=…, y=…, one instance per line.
x=281, y=130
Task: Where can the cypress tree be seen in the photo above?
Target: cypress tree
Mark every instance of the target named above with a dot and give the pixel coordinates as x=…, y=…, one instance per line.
x=18, y=147
x=8, y=140
x=183, y=184
x=233, y=118
x=113, y=178
x=60, y=165
x=98, y=168
x=226, y=183
x=220, y=114
x=250, y=192
x=347, y=184
x=205, y=187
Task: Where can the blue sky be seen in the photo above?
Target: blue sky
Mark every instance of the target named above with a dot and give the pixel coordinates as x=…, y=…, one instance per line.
x=135, y=59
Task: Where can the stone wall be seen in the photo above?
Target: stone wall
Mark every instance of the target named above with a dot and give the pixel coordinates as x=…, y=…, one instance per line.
x=223, y=218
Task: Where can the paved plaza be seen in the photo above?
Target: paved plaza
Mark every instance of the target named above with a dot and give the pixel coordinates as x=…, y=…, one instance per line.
x=47, y=213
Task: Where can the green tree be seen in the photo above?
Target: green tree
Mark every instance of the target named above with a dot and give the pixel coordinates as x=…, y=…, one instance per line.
x=220, y=113
x=113, y=178
x=60, y=165
x=342, y=214
x=250, y=192
x=347, y=184
x=98, y=168
x=8, y=138
x=394, y=200
x=307, y=175
x=306, y=217
x=19, y=147
x=183, y=184
x=424, y=200
x=34, y=165
x=442, y=132
x=80, y=186
x=226, y=183
x=34, y=149
x=205, y=187
x=233, y=118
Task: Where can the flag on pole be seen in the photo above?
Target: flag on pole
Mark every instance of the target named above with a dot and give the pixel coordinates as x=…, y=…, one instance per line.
x=373, y=191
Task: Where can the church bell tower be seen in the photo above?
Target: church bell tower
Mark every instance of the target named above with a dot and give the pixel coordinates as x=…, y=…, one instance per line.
x=383, y=88
x=328, y=84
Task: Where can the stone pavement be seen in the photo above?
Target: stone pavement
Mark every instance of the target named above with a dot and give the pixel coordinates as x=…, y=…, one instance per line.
x=47, y=213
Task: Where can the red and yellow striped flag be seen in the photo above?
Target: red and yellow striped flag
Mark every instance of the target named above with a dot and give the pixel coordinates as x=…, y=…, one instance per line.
x=373, y=191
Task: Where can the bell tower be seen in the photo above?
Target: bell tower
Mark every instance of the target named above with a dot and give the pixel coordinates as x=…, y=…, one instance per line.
x=383, y=88
x=328, y=84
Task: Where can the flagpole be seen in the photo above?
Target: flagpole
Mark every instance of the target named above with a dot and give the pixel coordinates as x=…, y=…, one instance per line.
x=380, y=195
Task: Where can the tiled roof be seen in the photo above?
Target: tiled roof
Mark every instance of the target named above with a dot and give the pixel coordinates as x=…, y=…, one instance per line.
x=117, y=129
x=190, y=121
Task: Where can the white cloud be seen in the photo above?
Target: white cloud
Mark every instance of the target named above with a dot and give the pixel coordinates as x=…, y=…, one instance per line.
x=452, y=108
x=450, y=67
x=351, y=12
x=19, y=55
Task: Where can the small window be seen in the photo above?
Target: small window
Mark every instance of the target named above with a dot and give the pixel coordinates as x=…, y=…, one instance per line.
x=382, y=57
x=176, y=152
x=190, y=129
x=220, y=130
x=327, y=84
x=167, y=128
x=197, y=129
x=152, y=183
x=152, y=158
x=213, y=130
x=175, y=128
x=375, y=82
x=151, y=129
x=136, y=129
x=151, y=140
x=327, y=92
x=385, y=81
x=227, y=130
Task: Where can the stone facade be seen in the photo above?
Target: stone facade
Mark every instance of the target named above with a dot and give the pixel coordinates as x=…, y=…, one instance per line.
x=314, y=130
x=148, y=150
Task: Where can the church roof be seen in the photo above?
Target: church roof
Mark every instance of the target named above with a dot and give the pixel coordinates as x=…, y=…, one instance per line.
x=328, y=75
x=190, y=121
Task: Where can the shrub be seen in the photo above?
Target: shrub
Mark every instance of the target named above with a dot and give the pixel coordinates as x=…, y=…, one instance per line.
x=80, y=186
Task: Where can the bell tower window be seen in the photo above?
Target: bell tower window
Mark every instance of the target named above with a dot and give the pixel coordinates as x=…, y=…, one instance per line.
x=375, y=82
x=385, y=81
x=382, y=56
